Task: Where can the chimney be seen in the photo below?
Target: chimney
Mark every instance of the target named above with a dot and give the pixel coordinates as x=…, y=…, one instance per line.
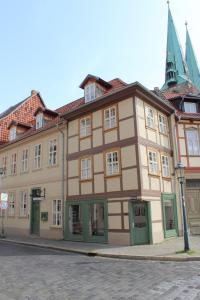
x=34, y=92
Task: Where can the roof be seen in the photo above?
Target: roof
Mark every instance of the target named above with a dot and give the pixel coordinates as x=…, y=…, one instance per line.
x=46, y=110
x=21, y=124
x=11, y=109
x=95, y=78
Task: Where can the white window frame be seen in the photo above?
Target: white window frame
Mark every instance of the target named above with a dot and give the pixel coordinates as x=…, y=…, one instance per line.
x=153, y=162
x=86, y=168
x=23, y=204
x=13, y=167
x=165, y=166
x=190, y=107
x=12, y=133
x=11, y=204
x=162, y=124
x=112, y=163
x=39, y=121
x=150, y=122
x=90, y=91
x=4, y=165
x=193, y=146
x=85, y=126
x=24, y=162
x=37, y=156
x=57, y=212
x=110, y=117
x=53, y=150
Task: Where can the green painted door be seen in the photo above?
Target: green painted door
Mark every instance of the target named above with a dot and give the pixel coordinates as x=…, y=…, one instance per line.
x=140, y=228
x=35, y=217
x=170, y=223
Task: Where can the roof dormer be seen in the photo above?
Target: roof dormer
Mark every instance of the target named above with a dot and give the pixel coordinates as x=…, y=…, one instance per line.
x=43, y=116
x=94, y=87
x=16, y=129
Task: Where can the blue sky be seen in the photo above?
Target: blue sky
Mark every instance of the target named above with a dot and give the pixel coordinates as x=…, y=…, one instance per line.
x=50, y=46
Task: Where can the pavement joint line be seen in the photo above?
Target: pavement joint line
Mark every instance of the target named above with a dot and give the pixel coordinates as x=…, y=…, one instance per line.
x=107, y=255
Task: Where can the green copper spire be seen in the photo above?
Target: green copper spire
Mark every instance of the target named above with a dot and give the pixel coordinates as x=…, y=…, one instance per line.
x=191, y=61
x=175, y=71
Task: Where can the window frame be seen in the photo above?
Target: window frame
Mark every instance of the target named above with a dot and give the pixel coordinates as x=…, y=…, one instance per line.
x=163, y=126
x=151, y=172
x=13, y=166
x=12, y=133
x=106, y=153
x=86, y=158
x=24, y=161
x=54, y=153
x=192, y=130
x=11, y=204
x=86, y=128
x=57, y=213
x=22, y=202
x=164, y=166
x=39, y=121
x=37, y=158
x=90, y=92
x=147, y=117
x=189, y=105
x=110, y=118
x=5, y=165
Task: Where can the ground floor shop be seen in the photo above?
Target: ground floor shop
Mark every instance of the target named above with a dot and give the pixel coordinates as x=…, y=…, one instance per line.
x=125, y=221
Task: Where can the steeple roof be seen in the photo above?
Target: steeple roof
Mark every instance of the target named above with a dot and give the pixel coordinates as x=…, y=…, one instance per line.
x=191, y=61
x=176, y=70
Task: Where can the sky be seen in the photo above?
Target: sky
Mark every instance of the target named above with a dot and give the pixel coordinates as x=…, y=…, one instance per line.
x=51, y=45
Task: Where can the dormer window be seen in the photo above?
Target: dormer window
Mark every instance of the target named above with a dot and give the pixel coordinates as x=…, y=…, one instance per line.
x=39, y=121
x=90, y=92
x=190, y=107
x=13, y=133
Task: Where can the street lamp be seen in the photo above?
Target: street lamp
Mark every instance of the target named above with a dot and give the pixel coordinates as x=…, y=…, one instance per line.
x=180, y=171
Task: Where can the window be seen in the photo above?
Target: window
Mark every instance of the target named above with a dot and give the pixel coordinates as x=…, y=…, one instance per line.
x=165, y=166
x=90, y=92
x=24, y=160
x=153, y=162
x=192, y=142
x=86, y=168
x=149, y=117
x=190, y=107
x=37, y=156
x=13, y=133
x=53, y=152
x=39, y=121
x=112, y=163
x=85, y=126
x=110, y=117
x=23, y=204
x=57, y=212
x=13, y=170
x=11, y=205
x=4, y=165
x=162, y=124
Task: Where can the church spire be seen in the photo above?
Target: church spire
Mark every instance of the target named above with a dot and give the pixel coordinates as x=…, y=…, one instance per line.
x=175, y=70
x=191, y=61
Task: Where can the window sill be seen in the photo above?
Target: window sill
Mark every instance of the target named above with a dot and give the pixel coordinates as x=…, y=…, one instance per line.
x=110, y=129
x=151, y=128
x=38, y=169
x=86, y=180
x=164, y=133
x=154, y=175
x=85, y=137
x=168, y=178
x=56, y=226
x=53, y=166
x=114, y=175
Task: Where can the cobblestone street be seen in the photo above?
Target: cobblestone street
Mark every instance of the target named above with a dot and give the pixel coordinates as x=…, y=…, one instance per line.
x=36, y=274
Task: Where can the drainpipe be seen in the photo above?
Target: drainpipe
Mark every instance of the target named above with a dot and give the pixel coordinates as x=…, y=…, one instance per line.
x=62, y=175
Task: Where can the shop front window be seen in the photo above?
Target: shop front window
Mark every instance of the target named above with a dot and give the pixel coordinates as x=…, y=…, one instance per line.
x=75, y=219
x=169, y=215
x=96, y=221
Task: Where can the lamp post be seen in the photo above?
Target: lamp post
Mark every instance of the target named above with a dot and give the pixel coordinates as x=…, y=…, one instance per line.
x=180, y=171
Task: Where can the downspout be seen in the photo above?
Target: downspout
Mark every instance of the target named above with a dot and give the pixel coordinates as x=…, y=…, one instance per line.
x=62, y=176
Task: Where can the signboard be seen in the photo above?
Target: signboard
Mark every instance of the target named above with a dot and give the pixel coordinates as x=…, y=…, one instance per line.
x=4, y=201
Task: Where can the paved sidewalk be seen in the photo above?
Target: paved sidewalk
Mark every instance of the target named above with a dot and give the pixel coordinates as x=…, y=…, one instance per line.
x=166, y=251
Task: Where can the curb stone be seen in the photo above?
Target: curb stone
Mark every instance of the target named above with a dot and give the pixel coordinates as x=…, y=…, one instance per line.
x=107, y=255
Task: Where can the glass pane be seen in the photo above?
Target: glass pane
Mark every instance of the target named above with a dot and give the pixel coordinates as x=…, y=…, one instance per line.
x=139, y=214
x=169, y=215
x=75, y=219
x=96, y=220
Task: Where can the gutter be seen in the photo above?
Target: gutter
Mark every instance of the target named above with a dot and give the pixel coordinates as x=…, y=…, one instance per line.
x=62, y=175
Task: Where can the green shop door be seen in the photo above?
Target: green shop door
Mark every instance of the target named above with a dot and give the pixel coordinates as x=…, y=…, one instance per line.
x=86, y=221
x=140, y=228
x=170, y=223
x=35, y=217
